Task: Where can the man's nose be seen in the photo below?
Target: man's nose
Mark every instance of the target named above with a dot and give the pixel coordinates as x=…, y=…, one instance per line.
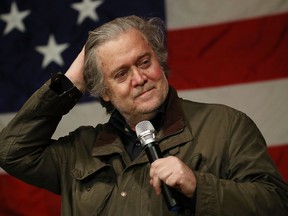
x=138, y=76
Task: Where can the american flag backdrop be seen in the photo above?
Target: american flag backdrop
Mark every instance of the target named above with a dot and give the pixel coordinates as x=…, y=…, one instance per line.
x=226, y=51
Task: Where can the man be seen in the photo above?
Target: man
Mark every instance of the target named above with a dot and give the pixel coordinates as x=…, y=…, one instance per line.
x=215, y=158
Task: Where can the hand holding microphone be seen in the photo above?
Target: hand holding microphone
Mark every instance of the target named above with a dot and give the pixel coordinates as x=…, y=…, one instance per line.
x=146, y=134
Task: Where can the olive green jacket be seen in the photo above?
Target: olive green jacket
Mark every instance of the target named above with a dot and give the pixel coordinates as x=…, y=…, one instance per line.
x=95, y=176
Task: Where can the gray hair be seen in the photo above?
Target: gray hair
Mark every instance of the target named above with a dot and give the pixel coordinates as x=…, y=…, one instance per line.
x=152, y=29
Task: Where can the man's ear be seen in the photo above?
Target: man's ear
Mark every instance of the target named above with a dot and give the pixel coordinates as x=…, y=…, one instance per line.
x=105, y=97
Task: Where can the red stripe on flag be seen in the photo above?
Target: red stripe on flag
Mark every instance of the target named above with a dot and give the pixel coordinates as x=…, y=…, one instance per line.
x=279, y=155
x=236, y=52
x=19, y=198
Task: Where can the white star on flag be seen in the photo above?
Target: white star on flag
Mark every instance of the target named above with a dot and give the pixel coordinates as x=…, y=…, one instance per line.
x=14, y=19
x=52, y=52
x=86, y=9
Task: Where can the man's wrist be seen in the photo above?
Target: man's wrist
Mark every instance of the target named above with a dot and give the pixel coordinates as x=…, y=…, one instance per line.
x=62, y=85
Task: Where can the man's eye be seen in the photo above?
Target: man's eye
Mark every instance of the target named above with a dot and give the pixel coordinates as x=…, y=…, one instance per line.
x=145, y=63
x=121, y=76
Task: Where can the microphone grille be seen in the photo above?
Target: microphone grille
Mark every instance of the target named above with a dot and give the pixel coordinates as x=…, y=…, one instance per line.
x=144, y=126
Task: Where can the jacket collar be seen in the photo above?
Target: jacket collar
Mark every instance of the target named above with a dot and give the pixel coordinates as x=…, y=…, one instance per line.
x=174, y=117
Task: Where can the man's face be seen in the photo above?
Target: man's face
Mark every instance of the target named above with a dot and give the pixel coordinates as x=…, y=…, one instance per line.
x=136, y=84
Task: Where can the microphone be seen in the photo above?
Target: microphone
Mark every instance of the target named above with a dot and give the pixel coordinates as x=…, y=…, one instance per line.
x=146, y=135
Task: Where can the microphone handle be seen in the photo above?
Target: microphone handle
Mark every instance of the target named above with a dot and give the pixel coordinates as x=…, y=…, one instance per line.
x=153, y=153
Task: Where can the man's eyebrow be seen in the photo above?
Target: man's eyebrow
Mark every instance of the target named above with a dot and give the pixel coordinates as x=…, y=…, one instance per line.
x=116, y=70
x=144, y=54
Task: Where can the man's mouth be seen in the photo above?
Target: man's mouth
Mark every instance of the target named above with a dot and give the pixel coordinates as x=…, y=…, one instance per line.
x=148, y=89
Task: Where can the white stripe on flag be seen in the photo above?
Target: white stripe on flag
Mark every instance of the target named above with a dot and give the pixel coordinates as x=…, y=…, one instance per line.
x=191, y=13
x=265, y=102
x=82, y=114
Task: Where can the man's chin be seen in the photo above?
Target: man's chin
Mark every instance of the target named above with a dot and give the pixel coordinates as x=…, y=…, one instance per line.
x=149, y=109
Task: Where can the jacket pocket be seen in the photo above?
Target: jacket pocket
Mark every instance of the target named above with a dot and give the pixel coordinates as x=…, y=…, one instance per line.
x=92, y=192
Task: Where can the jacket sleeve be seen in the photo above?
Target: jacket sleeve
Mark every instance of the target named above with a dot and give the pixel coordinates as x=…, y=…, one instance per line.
x=251, y=184
x=25, y=150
